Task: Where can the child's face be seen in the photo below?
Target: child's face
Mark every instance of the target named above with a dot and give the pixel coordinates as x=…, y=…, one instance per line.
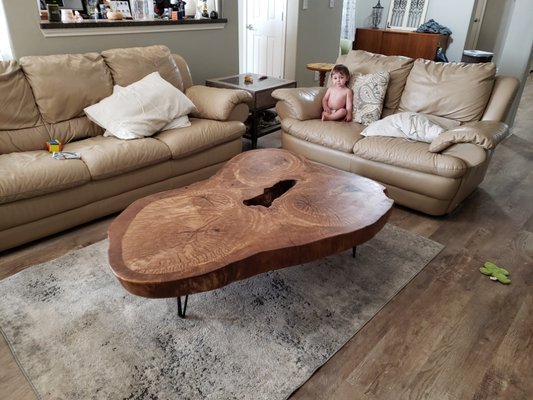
x=338, y=79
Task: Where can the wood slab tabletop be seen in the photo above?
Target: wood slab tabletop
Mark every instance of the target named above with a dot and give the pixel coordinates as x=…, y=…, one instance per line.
x=264, y=210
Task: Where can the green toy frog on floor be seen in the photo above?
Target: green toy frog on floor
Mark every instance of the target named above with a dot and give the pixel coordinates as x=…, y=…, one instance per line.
x=495, y=273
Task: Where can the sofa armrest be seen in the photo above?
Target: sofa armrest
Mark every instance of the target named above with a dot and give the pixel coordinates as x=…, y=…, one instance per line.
x=218, y=103
x=486, y=134
x=299, y=103
x=501, y=98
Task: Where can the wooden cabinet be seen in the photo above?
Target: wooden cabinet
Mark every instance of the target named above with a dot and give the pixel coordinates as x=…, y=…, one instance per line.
x=399, y=43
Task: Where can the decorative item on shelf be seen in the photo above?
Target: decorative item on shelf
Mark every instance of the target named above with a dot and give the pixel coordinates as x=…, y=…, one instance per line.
x=201, y=10
x=92, y=8
x=67, y=15
x=190, y=8
x=181, y=9
x=213, y=15
x=218, y=8
x=377, y=10
x=102, y=11
x=122, y=7
x=77, y=16
x=173, y=10
x=142, y=9
x=115, y=15
x=167, y=13
x=54, y=15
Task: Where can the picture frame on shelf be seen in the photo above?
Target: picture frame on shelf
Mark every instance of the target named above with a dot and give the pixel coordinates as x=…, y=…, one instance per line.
x=407, y=14
x=121, y=6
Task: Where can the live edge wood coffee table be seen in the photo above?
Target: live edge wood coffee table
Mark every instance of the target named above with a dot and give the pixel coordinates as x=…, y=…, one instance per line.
x=264, y=210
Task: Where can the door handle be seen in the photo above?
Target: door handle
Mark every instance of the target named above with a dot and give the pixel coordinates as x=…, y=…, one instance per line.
x=250, y=27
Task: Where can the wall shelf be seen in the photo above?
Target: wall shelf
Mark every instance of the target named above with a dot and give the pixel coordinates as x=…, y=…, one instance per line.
x=112, y=27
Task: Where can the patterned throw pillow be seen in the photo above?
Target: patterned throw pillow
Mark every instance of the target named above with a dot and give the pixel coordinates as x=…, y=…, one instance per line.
x=368, y=94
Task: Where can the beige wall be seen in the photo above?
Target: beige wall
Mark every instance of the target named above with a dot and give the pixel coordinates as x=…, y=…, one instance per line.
x=209, y=53
x=514, y=48
x=492, y=25
x=215, y=52
x=319, y=31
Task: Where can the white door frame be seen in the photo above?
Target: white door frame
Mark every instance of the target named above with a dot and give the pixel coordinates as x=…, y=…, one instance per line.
x=475, y=24
x=291, y=29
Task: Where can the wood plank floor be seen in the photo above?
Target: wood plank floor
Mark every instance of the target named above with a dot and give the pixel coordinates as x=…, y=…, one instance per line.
x=450, y=334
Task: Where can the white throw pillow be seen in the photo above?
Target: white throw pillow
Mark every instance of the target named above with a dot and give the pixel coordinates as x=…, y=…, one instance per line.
x=178, y=122
x=140, y=109
x=410, y=125
x=368, y=95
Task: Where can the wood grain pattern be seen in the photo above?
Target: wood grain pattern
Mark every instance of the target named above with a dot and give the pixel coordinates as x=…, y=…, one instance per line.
x=264, y=210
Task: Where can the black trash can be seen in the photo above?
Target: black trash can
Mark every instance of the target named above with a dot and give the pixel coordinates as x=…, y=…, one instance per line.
x=477, y=56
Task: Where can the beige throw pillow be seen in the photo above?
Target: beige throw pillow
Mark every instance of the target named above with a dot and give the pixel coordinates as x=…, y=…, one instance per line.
x=368, y=94
x=364, y=62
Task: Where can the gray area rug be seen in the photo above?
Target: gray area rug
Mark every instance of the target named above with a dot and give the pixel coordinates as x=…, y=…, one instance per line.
x=77, y=334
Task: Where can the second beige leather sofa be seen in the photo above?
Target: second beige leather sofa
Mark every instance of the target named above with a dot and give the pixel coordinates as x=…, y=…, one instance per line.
x=429, y=177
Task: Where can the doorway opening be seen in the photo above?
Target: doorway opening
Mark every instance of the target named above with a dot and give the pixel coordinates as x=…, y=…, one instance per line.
x=267, y=37
x=475, y=24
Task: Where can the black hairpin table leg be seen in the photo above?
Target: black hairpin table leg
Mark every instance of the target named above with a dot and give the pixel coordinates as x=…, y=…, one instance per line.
x=354, y=249
x=181, y=313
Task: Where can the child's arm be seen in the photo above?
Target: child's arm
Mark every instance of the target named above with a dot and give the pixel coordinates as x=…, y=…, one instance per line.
x=325, y=101
x=349, y=105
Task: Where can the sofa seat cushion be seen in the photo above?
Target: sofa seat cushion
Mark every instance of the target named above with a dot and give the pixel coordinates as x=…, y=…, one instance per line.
x=108, y=156
x=409, y=154
x=35, y=173
x=337, y=135
x=459, y=91
x=201, y=135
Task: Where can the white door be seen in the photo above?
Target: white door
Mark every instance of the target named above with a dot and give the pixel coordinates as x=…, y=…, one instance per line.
x=264, y=38
x=475, y=25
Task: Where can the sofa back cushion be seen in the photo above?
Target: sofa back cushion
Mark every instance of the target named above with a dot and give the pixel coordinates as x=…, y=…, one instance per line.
x=363, y=62
x=63, y=85
x=130, y=65
x=21, y=126
x=457, y=91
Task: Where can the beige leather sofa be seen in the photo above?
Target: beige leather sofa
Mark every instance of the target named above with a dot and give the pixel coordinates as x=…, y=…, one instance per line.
x=43, y=97
x=430, y=177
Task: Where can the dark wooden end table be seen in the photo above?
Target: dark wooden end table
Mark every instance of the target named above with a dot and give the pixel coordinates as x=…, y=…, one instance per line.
x=261, y=90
